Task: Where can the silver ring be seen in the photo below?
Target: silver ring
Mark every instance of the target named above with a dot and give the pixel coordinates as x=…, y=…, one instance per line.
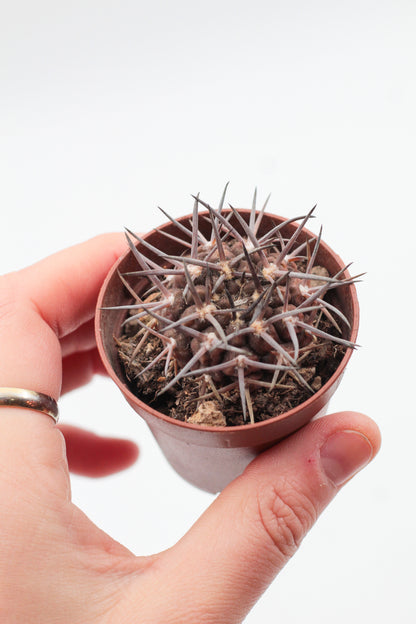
x=19, y=397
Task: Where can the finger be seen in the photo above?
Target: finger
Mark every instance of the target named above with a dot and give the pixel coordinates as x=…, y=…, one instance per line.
x=32, y=456
x=79, y=368
x=65, y=286
x=30, y=351
x=52, y=298
x=95, y=456
x=82, y=339
x=32, y=449
x=251, y=530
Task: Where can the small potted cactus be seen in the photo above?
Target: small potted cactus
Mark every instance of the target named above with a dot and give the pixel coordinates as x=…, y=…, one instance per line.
x=227, y=330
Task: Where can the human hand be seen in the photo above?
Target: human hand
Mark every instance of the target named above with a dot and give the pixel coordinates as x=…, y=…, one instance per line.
x=56, y=566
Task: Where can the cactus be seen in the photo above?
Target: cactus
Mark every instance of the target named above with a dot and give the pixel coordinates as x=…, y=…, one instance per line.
x=237, y=323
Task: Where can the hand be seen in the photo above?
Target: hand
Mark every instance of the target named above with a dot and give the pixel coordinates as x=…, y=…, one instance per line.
x=56, y=566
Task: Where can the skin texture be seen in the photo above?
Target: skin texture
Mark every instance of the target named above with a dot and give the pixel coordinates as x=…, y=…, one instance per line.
x=72, y=572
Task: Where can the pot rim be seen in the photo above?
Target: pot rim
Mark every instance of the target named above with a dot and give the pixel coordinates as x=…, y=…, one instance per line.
x=132, y=398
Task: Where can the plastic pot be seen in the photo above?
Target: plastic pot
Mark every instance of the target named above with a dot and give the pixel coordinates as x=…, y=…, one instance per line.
x=210, y=457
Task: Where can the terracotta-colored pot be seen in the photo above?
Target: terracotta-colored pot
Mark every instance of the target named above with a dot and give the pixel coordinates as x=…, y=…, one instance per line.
x=210, y=457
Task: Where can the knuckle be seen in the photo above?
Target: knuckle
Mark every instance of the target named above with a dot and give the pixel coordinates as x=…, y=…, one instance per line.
x=7, y=297
x=12, y=299
x=285, y=515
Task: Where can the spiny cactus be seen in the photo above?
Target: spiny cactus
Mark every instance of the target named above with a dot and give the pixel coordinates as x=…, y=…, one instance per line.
x=237, y=322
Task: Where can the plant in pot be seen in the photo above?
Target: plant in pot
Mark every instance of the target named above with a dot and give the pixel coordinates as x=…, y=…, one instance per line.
x=226, y=330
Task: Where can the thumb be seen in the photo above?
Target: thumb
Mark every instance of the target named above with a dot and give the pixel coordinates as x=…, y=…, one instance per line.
x=241, y=542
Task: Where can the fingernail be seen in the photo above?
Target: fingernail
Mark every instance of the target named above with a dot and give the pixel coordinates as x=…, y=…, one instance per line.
x=343, y=454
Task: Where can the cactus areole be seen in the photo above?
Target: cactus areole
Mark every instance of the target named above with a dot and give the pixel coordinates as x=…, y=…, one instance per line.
x=230, y=317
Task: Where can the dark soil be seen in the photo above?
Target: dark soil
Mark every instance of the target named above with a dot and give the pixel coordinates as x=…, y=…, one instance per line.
x=182, y=402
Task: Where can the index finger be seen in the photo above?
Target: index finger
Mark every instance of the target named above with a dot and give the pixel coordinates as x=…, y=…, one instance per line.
x=64, y=286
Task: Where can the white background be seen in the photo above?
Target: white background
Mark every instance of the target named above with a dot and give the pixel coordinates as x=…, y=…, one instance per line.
x=111, y=108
